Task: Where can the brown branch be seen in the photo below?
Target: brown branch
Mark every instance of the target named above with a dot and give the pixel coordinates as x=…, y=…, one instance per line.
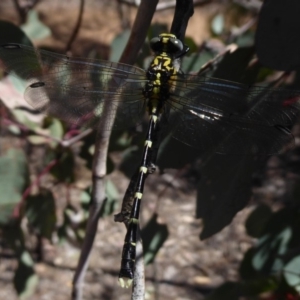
x=23, y=10
x=76, y=28
x=164, y=5
x=22, y=13
x=63, y=142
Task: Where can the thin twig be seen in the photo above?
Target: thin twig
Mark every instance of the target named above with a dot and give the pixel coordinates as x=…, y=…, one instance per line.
x=137, y=37
x=236, y=32
x=211, y=63
x=254, y=5
x=77, y=27
x=22, y=13
x=163, y=5
x=23, y=10
x=64, y=143
x=78, y=137
x=138, y=288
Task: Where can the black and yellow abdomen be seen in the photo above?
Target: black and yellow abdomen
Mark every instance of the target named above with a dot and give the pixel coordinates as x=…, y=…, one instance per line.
x=156, y=93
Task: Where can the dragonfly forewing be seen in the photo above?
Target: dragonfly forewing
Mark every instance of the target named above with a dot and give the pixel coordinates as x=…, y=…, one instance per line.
x=76, y=90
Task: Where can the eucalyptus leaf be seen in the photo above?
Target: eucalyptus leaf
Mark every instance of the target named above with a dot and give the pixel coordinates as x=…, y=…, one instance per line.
x=56, y=128
x=257, y=220
x=10, y=33
x=64, y=169
x=154, y=235
x=34, y=28
x=118, y=45
x=168, y=158
x=217, y=24
x=25, y=279
x=291, y=273
x=276, y=247
x=14, y=129
x=112, y=197
x=228, y=290
x=232, y=177
x=41, y=214
x=277, y=36
x=13, y=179
x=37, y=139
x=195, y=61
x=233, y=66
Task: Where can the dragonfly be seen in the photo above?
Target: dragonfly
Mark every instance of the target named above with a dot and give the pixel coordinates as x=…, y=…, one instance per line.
x=211, y=114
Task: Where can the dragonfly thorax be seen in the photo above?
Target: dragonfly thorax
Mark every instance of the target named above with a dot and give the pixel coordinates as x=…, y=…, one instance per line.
x=159, y=74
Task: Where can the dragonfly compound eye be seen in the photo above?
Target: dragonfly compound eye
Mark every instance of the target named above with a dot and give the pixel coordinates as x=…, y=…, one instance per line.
x=174, y=45
x=156, y=44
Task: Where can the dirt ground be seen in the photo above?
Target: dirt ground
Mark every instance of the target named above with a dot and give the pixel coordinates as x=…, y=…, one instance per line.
x=185, y=268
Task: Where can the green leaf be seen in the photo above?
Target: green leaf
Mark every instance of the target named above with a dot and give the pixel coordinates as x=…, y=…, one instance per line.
x=270, y=249
x=85, y=153
x=40, y=211
x=30, y=61
x=217, y=24
x=232, y=176
x=64, y=169
x=257, y=220
x=56, y=128
x=10, y=33
x=34, y=28
x=14, y=129
x=246, y=269
x=291, y=272
x=228, y=290
x=119, y=140
x=112, y=199
x=154, y=235
x=13, y=179
x=234, y=64
x=168, y=158
x=246, y=39
x=25, y=279
x=278, y=245
x=277, y=36
x=118, y=45
x=37, y=139
x=85, y=199
x=130, y=160
x=195, y=61
x=191, y=44
x=23, y=117
x=18, y=83
x=243, y=290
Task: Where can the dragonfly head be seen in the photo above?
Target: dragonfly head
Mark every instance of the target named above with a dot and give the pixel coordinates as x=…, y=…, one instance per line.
x=166, y=43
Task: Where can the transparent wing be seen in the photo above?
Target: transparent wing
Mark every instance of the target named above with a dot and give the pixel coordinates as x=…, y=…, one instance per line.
x=77, y=90
x=228, y=117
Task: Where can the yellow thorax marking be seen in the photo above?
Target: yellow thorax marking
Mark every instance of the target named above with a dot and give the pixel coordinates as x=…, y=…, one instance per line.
x=162, y=62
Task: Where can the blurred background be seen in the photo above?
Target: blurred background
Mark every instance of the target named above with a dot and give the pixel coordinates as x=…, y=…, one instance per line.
x=45, y=183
